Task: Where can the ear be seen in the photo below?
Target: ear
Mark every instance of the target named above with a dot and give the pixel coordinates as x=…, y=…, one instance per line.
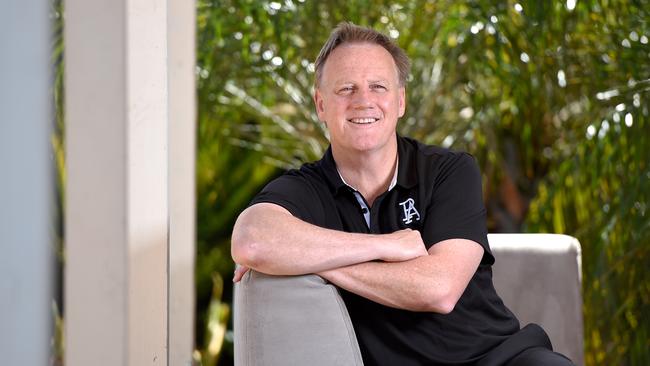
x=402, y=101
x=320, y=109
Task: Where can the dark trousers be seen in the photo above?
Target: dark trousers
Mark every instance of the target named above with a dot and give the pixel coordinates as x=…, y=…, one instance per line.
x=539, y=356
x=528, y=347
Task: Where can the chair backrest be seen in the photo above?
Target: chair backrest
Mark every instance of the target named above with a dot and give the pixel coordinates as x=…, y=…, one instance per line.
x=292, y=320
x=538, y=276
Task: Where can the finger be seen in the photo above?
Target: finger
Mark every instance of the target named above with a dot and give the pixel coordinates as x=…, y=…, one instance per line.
x=237, y=275
x=240, y=271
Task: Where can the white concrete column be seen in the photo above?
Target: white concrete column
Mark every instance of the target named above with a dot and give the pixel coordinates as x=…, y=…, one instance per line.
x=182, y=147
x=117, y=182
x=26, y=184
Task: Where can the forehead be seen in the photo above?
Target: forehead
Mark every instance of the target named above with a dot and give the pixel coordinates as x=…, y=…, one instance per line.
x=355, y=61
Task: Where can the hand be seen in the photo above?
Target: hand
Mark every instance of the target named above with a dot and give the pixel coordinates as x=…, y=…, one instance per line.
x=402, y=245
x=240, y=271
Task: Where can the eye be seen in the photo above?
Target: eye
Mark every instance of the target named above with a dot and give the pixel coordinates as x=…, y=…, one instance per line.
x=378, y=87
x=345, y=90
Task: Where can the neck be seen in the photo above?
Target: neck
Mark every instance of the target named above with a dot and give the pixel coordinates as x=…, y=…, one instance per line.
x=369, y=172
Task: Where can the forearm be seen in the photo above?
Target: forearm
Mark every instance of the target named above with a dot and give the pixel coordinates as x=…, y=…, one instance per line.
x=268, y=239
x=431, y=283
x=407, y=285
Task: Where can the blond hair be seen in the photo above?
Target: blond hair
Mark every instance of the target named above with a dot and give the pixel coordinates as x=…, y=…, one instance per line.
x=347, y=32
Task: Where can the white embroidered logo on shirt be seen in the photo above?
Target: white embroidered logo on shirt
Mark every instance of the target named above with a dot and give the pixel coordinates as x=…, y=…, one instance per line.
x=409, y=211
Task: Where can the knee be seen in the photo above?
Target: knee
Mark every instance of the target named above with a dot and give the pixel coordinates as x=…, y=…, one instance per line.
x=540, y=357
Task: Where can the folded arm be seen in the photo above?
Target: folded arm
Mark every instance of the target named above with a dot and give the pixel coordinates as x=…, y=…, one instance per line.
x=429, y=283
x=267, y=238
x=391, y=269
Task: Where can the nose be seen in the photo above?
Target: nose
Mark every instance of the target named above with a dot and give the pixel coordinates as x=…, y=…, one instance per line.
x=362, y=99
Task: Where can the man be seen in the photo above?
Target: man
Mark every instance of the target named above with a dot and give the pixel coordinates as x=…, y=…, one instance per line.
x=397, y=225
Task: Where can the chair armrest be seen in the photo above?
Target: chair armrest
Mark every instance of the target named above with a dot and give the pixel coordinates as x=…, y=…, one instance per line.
x=291, y=320
x=538, y=277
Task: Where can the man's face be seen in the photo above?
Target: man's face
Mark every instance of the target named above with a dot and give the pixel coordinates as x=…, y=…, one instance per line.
x=359, y=97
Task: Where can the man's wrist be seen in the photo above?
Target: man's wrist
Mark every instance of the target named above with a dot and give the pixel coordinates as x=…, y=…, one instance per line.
x=327, y=275
x=379, y=246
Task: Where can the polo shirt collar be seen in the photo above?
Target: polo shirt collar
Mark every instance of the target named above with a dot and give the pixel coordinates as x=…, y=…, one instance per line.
x=407, y=173
x=393, y=181
x=406, y=167
x=332, y=176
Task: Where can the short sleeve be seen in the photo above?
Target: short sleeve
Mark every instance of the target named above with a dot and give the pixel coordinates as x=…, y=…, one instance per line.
x=456, y=209
x=295, y=194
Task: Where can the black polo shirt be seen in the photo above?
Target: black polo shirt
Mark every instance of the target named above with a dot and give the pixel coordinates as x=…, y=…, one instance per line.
x=438, y=192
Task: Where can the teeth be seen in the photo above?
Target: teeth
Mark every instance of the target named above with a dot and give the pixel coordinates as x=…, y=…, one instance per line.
x=362, y=120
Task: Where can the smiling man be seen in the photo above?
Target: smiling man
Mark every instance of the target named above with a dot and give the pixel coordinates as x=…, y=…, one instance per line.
x=397, y=225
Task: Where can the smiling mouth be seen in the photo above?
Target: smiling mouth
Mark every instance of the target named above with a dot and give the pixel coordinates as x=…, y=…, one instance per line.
x=363, y=121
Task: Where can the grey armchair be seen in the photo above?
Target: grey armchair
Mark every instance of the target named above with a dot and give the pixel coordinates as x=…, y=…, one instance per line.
x=301, y=320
